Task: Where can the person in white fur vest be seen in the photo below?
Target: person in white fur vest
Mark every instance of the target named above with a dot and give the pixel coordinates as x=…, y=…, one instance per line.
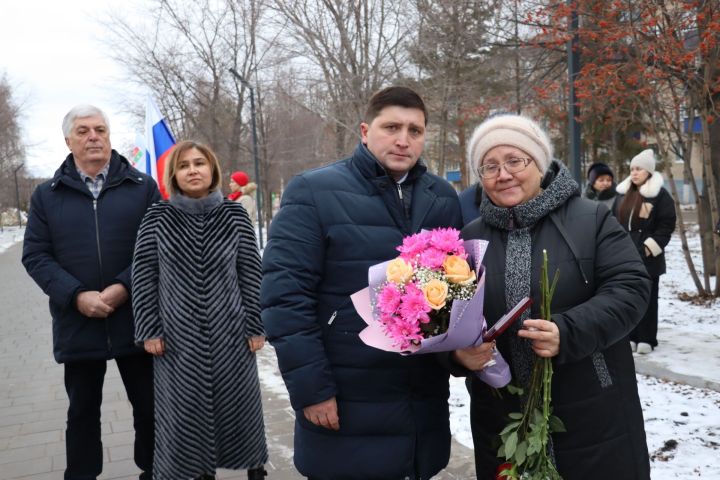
x=646, y=210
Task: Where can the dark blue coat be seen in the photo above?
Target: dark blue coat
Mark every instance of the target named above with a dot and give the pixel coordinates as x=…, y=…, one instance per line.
x=470, y=199
x=333, y=224
x=74, y=243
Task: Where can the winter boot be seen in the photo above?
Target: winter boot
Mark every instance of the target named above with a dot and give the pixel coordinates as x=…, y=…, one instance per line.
x=258, y=473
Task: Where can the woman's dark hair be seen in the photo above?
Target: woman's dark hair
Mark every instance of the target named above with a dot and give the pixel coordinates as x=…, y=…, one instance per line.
x=630, y=205
x=394, y=97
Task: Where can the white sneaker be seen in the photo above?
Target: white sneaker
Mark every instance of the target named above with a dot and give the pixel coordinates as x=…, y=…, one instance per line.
x=643, y=348
x=633, y=346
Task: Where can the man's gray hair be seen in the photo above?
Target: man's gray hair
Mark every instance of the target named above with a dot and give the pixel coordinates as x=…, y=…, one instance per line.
x=82, y=111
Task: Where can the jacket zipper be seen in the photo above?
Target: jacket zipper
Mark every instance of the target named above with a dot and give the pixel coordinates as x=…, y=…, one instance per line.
x=102, y=285
x=332, y=317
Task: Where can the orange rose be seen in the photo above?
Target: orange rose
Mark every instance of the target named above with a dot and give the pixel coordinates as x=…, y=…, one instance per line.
x=457, y=270
x=435, y=293
x=399, y=271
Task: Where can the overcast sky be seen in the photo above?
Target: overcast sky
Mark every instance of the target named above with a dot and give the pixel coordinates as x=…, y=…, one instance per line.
x=53, y=57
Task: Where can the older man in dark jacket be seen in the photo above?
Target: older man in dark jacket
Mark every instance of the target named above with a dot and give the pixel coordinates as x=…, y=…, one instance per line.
x=361, y=413
x=78, y=248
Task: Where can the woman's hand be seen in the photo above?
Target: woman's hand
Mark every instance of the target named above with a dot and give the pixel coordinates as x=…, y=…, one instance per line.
x=154, y=346
x=544, y=335
x=256, y=343
x=475, y=358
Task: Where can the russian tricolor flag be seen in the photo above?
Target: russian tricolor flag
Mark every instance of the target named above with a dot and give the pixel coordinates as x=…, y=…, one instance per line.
x=159, y=142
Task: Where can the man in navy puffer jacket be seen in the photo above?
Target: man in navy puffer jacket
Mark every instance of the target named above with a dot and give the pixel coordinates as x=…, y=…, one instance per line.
x=78, y=248
x=361, y=413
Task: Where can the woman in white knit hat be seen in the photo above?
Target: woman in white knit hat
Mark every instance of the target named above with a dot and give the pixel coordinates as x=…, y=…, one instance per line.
x=646, y=210
x=530, y=204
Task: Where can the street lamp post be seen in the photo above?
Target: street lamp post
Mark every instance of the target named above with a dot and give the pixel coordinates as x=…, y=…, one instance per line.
x=258, y=195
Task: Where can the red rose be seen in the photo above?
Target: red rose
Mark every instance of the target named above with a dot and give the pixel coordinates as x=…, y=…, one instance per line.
x=502, y=468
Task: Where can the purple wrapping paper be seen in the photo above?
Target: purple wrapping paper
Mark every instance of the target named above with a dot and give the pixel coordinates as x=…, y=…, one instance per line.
x=467, y=323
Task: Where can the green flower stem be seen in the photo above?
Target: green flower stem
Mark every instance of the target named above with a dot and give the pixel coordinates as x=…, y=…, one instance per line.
x=525, y=440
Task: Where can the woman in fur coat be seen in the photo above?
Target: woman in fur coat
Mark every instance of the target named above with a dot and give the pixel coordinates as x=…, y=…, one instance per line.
x=195, y=285
x=647, y=211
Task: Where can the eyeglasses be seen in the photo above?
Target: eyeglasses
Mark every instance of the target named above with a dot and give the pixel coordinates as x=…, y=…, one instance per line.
x=512, y=165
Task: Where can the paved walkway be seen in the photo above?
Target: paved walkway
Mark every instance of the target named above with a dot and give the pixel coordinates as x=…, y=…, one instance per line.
x=33, y=402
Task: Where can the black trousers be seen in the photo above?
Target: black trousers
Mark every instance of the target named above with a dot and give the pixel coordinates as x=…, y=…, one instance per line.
x=646, y=330
x=84, y=383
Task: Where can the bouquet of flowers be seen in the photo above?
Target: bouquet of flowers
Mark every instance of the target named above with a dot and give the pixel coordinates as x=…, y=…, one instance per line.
x=429, y=299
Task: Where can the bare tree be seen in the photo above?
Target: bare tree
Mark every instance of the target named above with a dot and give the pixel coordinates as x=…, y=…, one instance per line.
x=296, y=138
x=183, y=52
x=451, y=54
x=12, y=150
x=348, y=50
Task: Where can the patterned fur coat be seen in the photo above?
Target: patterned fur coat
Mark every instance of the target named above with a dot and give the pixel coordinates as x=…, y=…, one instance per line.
x=196, y=280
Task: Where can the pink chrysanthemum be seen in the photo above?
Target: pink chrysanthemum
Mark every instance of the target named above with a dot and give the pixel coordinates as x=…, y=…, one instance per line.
x=432, y=258
x=387, y=318
x=413, y=246
x=389, y=298
x=403, y=332
x=414, y=306
x=446, y=239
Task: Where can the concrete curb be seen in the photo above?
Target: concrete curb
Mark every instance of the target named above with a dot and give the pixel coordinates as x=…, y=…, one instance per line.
x=648, y=367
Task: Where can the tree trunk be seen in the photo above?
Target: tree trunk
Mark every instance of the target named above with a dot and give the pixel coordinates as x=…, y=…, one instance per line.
x=682, y=230
x=712, y=194
x=465, y=173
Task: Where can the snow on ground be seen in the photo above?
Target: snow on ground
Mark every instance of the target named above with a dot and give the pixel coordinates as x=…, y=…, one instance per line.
x=9, y=236
x=688, y=334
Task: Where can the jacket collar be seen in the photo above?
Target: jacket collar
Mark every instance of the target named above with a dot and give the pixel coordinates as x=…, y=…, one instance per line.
x=370, y=168
x=423, y=197
x=607, y=194
x=120, y=170
x=650, y=189
x=197, y=206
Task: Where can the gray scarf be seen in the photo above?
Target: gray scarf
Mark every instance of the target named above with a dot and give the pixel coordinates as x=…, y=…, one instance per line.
x=518, y=221
x=197, y=206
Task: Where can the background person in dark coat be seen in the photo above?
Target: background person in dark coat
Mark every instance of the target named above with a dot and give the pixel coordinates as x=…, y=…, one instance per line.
x=646, y=210
x=361, y=413
x=601, y=184
x=470, y=199
x=531, y=204
x=196, y=285
x=78, y=248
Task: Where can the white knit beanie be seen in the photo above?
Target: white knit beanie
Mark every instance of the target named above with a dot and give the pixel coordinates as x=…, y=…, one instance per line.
x=644, y=160
x=512, y=130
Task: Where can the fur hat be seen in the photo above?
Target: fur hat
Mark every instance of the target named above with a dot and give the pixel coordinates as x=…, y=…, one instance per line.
x=514, y=131
x=597, y=169
x=241, y=178
x=644, y=160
